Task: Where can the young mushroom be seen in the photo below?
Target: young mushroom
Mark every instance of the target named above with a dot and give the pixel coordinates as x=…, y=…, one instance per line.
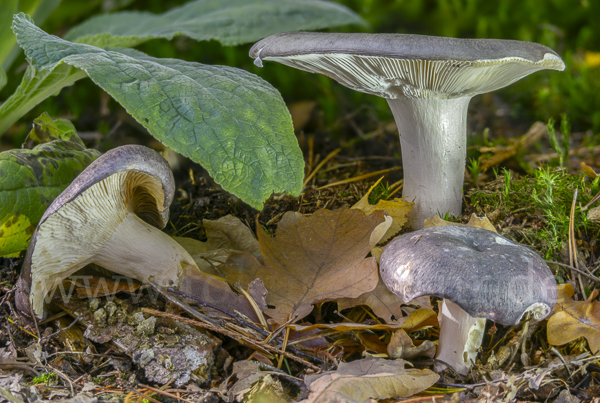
x=480, y=274
x=428, y=82
x=110, y=215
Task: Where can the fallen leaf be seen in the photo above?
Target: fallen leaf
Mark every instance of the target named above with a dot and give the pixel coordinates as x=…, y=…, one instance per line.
x=301, y=112
x=502, y=153
x=402, y=346
x=573, y=319
x=216, y=291
x=398, y=209
x=382, y=301
x=369, y=378
x=224, y=236
x=418, y=319
x=474, y=221
x=312, y=259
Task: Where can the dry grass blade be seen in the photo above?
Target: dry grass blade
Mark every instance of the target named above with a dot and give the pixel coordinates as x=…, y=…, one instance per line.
x=313, y=173
x=359, y=178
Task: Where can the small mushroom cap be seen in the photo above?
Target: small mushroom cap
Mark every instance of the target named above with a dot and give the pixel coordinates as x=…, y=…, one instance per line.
x=394, y=65
x=482, y=272
x=149, y=194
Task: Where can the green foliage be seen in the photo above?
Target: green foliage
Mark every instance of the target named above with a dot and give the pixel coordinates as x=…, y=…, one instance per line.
x=30, y=179
x=474, y=169
x=545, y=196
x=380, y=192
x=46, y=378
x=231, y=22
x=230, y=121
x=562, y=148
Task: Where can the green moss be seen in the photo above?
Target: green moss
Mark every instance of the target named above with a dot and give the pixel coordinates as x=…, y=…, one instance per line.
x=544, y=199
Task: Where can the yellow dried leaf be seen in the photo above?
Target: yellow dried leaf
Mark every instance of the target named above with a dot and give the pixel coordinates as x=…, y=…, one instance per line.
x=574, y=319
x=397, y=209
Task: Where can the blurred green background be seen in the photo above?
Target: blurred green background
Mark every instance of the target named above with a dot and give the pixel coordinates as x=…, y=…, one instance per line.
x=571, y=27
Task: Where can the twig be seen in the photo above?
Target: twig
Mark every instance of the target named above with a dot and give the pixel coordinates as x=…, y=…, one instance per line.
x=591, y=277
x=244, y=323
x=233, y=335
x=60, y=330
x=421, y=399
x=162, y=392
x=313, y=173
x=573, y=244
x=142, y=395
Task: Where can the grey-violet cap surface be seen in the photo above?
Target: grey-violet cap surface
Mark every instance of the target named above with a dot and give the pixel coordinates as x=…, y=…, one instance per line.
x=482, y=272
x=393, y=65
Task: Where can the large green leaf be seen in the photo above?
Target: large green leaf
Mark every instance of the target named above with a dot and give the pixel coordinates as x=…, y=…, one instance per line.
x=31, y=179
x=230, y=121
x=38, y=9
x=36, y=86
x=2, y=78
x=7, y=38
x=231, y=22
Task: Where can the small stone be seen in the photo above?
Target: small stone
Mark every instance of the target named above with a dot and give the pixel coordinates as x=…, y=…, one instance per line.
x=94, y=304
x=137, y=318
x=100, y=317
x=146, y=357
x=110, y=308
x=147, y=326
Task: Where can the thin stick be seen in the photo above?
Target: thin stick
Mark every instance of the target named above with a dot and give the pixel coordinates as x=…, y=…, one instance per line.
x=421, y=399
x=162, y=392
x=233, y=335
x=359, y=178
x=591, y=277
x=573, y=245
x=313, y=173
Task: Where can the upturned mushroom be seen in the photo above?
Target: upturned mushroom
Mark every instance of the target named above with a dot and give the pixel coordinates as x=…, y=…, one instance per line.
x=110, y=215
x=428, y=82
x=480, y=274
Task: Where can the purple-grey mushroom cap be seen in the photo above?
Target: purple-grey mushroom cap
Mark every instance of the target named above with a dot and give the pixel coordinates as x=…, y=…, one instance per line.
x=482, y=272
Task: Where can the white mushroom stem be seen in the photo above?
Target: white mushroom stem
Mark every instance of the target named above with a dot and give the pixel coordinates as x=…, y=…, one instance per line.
x=460, y=338
x=433, y=139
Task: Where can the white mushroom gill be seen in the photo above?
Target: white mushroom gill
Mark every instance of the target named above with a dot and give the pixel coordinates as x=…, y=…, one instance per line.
x=100, y=226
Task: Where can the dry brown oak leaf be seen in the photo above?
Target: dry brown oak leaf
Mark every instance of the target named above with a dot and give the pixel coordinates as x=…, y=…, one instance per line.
x=370, y=378
x=573, y=319
x=312, y=259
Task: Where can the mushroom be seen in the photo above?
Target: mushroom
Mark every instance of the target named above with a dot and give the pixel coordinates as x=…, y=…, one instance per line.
x=109, y=215
x=428, y=82
x=480, y=274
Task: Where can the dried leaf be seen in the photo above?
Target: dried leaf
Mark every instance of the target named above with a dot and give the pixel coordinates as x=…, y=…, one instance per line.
x=312, y=259
x=574, y=319
x=398, y=209
x=224, y=236
x=474, y=221
x=88, y=287
x=418, y=319
x=216, y=291
x=384, y=303
x=402, y=346
x=370, y=378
